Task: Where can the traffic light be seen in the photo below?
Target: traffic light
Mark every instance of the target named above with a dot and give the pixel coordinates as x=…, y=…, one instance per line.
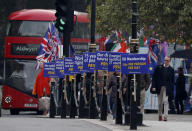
x=64, y=15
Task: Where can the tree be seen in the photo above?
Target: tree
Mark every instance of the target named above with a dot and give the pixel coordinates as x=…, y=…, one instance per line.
x=170, y=19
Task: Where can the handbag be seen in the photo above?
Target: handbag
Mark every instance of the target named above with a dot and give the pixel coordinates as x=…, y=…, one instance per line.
x=152, y=86
x=44, y=103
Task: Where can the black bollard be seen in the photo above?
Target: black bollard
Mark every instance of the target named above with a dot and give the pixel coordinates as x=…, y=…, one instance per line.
x=73, y=108
x=119, y=111
x=81, y=101
x=139, y=115
x=52, y=102
x=92, y=106
x=83, y=109
x=63, y=100
x=104, y=101
x=133, y=116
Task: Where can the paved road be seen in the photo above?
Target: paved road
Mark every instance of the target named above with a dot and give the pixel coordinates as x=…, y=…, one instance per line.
x=174, y=123
x=31, y=122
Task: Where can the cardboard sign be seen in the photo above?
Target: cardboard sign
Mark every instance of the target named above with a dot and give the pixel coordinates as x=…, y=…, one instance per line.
x=134, y=64
x=114, y=62
x=49, y=69
x=59, y=68
x=69, y=66
x=78, y=67
x=102, y=60
x=89, y=62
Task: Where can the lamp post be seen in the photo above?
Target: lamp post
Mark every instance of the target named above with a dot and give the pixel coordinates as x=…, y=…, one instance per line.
x=92, y=48
x=133, y=115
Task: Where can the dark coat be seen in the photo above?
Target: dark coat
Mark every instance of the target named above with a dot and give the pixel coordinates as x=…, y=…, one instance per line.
x=163, y=76
x=180, y=87
x=113, y=87
x=144, y=81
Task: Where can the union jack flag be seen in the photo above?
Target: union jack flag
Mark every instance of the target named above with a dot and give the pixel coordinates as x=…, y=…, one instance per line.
x=153, y=53
x=49, y=46
x=153, y=50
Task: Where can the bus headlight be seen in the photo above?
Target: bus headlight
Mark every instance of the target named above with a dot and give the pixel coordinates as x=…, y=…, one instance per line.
x=7, y=99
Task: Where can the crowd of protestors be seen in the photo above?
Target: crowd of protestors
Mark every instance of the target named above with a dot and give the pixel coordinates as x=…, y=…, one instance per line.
x=162, y=82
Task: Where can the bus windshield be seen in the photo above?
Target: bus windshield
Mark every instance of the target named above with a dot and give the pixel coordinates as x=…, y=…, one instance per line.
x=27, y=28
x=20, y=74
x=38, y=29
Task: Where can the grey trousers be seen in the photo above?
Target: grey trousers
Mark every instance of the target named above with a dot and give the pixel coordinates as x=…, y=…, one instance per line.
x=163, y=100
x=142, y=100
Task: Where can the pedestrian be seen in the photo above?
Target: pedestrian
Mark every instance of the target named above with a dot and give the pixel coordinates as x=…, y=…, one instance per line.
x=124, y=91
x=113, y=94
x=144, y=82
x=163, y=80
x=190, y=85
x=41, y=86
x=100, y=84
x=181, y=93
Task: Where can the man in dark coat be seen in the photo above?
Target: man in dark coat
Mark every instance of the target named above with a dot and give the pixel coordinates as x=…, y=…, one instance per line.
x=163, y=84
x=181, y=93
x=113, y=94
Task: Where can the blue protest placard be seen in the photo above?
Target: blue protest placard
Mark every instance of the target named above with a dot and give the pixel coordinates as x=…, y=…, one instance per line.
x=89, y=60
x=78, y=67
x=114, y=64
x=134, y=64
x=49, y=69
x=102, y=60
x=59, y=68
x=69, y=66
x=85, y=61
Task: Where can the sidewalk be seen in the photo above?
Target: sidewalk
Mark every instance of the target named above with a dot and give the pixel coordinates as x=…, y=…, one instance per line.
x=174, y=123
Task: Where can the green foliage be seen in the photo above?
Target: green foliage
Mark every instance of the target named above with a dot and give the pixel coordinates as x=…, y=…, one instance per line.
x=169, y=18
x=113, y=15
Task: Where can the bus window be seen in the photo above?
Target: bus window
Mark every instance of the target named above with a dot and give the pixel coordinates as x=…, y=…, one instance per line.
x=81, y=30
x=20, y=74
x=27, y=28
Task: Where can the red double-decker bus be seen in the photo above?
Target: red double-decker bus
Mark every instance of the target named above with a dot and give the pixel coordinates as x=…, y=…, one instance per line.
x=25, y=31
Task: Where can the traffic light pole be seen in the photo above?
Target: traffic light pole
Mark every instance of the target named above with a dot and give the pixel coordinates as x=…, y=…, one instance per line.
x=66, y=42
x=64, y=23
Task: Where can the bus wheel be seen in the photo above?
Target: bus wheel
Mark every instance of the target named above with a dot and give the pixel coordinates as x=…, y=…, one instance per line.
x=14, y=112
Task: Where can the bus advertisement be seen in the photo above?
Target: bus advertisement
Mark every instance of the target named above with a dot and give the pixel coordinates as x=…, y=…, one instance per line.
x=25, y=31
